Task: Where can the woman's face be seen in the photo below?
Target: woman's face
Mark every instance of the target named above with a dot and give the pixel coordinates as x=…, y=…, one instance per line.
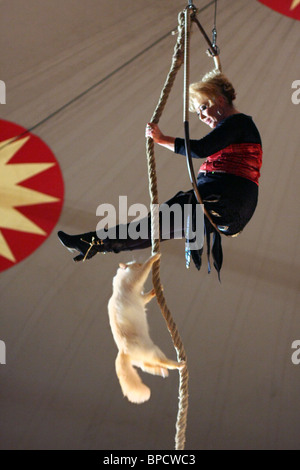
x=209, y=113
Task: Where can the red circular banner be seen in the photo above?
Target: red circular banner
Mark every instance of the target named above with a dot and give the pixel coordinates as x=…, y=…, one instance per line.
x=286, y=7
x=31, y=193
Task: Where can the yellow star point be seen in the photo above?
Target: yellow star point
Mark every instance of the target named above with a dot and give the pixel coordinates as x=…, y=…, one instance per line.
x=5, y=250
x=12, y=195
x=294, y=4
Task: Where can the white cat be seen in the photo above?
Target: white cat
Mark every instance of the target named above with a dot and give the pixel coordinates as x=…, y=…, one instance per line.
x=128, y=321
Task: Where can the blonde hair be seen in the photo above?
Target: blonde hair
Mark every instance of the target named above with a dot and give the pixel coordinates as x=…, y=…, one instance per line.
x=212, y=85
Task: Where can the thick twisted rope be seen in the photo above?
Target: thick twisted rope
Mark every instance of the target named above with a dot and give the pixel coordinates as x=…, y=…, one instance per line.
x=177, y=61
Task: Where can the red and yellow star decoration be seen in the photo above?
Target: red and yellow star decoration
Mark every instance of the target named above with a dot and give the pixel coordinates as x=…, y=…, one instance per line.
x=31, y=193
x=285, y=7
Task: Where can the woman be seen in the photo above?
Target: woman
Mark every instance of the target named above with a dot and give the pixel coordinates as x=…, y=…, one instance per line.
x=227, y=180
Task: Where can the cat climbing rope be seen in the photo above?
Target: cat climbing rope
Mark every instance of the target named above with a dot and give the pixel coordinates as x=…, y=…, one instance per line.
x=129, y=325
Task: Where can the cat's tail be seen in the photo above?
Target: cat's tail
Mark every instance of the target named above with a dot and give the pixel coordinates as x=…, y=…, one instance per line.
x=130, y=381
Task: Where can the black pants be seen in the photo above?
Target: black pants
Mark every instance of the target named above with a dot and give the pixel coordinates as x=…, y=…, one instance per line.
x=231, y=200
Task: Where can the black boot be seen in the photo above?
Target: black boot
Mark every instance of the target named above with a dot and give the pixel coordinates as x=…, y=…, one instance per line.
x=88, y=244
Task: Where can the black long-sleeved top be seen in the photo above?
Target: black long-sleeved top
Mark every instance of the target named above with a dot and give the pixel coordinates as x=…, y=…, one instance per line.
x=233, y=147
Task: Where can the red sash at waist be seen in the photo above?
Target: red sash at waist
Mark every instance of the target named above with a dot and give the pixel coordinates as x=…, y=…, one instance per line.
x=237, y=159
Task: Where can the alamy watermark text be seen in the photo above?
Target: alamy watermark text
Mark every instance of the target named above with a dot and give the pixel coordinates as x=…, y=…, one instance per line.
x=296, y=354
x=2, y=92
x=2, y=352
x=296, y=94
x=176, y=221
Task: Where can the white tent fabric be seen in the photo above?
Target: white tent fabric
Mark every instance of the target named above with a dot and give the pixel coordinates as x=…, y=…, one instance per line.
x=102, y=65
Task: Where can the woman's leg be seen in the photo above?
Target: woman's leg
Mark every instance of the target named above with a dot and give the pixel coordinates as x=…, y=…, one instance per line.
x=135, y=235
